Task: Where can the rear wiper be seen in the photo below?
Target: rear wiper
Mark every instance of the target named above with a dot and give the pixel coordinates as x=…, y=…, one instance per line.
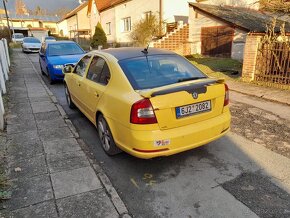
x=190, y=78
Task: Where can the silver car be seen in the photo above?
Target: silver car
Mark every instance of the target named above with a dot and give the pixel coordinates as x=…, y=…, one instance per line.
x=31, y=44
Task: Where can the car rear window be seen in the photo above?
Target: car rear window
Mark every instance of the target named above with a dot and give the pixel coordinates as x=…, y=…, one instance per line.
x=31, y=40
x=158, y=70
x=64, y=49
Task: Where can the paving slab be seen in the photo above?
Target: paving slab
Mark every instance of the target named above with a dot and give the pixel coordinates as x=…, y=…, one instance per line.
x=52, y=123
x=47, y=116
x=18, y=100
x=90, y=204
x=17, y=119
x=40, y=107
x=29, y=125
x=67, y=161
x=39, y=99
x=37, y=94
x=21, y=109
x=55, y=133
x=74, y=182
x=16, y=95
x=33, y=166
x=28, y=191
x=27, y=138
x=61, y=146
x=24, y=145
x=42, y=210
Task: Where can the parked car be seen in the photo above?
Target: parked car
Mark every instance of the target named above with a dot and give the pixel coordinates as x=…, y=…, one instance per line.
x=148, y=103
x=49, y=38
x=17, y=37
x=31, y=44
x=54, y=55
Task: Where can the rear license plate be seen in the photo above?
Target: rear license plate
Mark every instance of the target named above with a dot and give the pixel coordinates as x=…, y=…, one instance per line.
x=191, y=109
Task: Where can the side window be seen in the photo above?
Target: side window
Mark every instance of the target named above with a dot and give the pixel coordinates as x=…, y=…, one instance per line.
x=81, y=66
x=99, y=71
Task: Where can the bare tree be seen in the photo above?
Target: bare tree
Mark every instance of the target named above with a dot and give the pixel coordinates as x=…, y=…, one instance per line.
x=20, y=7
x=276, y=5
x=145, y=30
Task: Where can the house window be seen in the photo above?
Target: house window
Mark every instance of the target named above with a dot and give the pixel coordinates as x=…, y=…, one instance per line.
x=126, y=24
x=108, y=28
x=147, y=14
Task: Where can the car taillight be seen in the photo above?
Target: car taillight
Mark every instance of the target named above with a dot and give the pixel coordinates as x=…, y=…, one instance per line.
x=227, y=95
x=142, y=112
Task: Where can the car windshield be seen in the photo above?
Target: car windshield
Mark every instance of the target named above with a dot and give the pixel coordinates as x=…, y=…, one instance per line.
x=158, y=70
x=31, y=40
x=18, y=36
x=64, y=49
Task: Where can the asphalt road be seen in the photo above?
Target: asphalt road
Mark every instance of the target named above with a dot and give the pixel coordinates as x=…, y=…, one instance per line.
x=216, y=180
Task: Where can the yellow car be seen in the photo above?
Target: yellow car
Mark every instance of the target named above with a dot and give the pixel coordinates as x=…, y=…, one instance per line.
x=147, y=102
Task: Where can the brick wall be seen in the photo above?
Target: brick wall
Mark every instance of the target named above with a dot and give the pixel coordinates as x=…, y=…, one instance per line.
x=176, y=41
x=250, y=56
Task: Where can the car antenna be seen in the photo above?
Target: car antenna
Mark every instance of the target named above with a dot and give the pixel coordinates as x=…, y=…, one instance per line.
x=145, y=51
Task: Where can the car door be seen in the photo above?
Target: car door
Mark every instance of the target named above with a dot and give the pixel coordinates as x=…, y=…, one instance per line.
x=97, y=79
x=76, y=85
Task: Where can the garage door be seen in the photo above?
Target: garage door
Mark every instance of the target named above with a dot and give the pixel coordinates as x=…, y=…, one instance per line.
x=217, y=41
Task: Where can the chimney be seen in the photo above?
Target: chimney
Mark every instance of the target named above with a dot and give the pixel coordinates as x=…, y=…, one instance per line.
x=80, y=1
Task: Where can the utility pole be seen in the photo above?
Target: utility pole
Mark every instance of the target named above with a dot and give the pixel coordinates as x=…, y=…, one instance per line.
x=4, y=4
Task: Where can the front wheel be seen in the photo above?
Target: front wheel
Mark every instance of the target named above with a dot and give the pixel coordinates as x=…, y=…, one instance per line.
x=42, y=72
x=106, y=137
x=68, y=98
x=51, y=81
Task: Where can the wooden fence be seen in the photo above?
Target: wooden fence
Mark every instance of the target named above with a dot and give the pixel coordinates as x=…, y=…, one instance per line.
x=4, y=70
x=273, y=65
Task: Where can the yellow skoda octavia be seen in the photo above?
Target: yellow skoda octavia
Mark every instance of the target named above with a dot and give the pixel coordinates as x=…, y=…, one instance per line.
x=147, y=102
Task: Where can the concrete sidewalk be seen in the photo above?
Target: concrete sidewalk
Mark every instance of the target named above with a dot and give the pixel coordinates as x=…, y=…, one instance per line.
x=267, y=93
x=50, y=175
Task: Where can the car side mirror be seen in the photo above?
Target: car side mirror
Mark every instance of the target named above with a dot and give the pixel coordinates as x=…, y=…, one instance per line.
x=67, y=69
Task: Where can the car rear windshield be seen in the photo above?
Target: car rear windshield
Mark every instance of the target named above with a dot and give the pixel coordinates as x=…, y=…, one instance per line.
x=18, y=36
x=64, y=49
x=49, y=37
x=31, y=40
x=158, y=70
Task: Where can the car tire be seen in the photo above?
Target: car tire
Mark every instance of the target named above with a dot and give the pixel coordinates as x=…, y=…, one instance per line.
x=68, y=98
x=42, y=72
x=51, y=81
x=106, y=138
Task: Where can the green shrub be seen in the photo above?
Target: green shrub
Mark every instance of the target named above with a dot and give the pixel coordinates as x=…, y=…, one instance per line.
x=99, y=37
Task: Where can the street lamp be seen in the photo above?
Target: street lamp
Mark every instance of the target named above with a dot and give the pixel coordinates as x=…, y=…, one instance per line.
x=4, y=4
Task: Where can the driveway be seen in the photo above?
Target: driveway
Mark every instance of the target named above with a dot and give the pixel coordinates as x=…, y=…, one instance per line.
x=244, y=174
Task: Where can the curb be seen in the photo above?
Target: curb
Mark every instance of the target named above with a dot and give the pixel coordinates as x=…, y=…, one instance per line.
x=111, y=191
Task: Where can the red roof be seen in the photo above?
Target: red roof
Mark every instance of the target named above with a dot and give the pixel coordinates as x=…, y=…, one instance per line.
x=104, y=4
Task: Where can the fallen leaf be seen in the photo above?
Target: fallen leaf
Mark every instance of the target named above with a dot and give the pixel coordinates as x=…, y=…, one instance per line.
x=17, y=169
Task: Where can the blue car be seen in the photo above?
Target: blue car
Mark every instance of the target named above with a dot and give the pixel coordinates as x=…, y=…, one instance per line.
x=53, y=56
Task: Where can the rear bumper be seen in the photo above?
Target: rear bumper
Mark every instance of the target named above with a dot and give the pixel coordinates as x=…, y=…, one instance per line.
x=181, y=139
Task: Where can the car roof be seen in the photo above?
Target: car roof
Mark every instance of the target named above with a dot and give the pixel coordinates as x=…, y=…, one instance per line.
x=127, y=53
x=30, y=37
x=60, y=42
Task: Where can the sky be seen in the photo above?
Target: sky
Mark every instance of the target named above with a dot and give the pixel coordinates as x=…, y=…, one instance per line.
x=50, y=5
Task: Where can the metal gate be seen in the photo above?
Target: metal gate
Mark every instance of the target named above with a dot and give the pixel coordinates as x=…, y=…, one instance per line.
x=273, y=64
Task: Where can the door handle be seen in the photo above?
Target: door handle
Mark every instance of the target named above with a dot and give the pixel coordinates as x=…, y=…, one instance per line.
x=97, y=94
x=79, y=84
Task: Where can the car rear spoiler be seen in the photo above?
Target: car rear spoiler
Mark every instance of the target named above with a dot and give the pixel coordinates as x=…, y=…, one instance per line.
x=198, y=86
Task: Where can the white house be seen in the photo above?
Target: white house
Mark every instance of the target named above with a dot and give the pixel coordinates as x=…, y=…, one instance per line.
x=118, y=17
